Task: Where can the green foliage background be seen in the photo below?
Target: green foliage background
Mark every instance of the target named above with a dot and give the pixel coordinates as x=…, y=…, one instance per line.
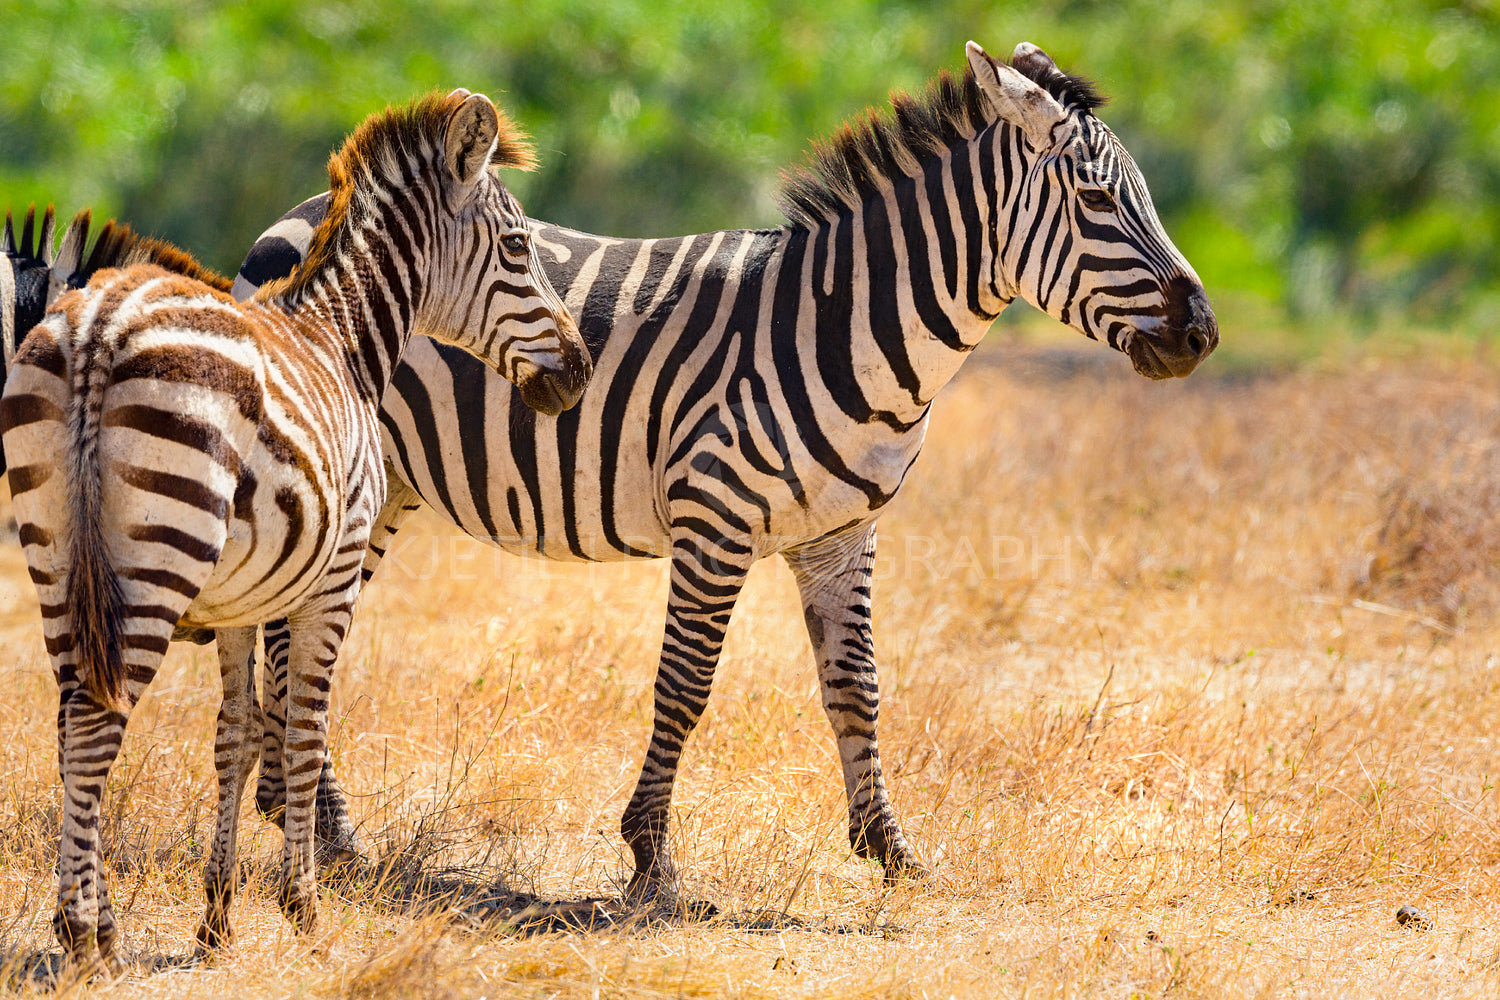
x=1312, y=160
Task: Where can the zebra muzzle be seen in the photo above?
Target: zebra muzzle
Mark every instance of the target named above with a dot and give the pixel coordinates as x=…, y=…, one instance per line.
x=1173, y=349
x=553, y=391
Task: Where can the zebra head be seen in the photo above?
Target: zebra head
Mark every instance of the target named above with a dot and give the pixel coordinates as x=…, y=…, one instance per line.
x=488, y=292
x=1086, y=245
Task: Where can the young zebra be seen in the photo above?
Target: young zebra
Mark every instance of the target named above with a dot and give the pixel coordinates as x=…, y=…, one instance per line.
x=765, y=392
x=176, y=456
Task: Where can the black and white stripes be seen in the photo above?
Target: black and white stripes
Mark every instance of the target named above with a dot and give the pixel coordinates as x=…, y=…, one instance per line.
x=767, y=392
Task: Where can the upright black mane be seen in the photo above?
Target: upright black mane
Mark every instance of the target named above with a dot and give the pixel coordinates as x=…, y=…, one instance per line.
x=883, y=145
x=33, y=263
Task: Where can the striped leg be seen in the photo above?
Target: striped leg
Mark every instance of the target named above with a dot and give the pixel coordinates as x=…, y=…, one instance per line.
x=337, y=838
x=235, y=751
x=270, y=790
x=89, y=739
x=834, y=576
x=333, y=830
x=706, y=579
x=89, y=734
x=313, y=649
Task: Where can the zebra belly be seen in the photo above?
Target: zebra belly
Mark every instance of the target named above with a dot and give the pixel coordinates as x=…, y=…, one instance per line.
x=246, y=589
x=546, y=493
x=530, y=484
x=288, y=541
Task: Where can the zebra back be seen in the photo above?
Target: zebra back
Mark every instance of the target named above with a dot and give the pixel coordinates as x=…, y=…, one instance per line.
x=34, y=271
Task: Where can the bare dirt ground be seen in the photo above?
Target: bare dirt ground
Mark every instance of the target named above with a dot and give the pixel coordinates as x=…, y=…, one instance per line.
x=1186, y=689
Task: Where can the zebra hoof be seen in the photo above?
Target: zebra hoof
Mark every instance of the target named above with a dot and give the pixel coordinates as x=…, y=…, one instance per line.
x=339, y=850
x=299, y=905
x=652, y=890
x=906, y=868
x=209, y=941
x=659, y=898
x=87, y=954
x=92, y=966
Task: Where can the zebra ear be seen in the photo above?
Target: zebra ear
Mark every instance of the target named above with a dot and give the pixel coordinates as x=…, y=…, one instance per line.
x=44, y=248
x=1034, y=62
x=1015, y=98
x=70, y=254
x=470, y=138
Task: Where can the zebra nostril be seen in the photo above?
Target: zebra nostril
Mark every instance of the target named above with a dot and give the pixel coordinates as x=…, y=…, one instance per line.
x=1197, y=343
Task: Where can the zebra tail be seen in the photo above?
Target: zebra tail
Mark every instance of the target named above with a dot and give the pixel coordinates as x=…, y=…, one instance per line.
x=95, y=599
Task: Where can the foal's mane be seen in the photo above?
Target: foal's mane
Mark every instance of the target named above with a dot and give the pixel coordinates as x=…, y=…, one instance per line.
x=383, y=148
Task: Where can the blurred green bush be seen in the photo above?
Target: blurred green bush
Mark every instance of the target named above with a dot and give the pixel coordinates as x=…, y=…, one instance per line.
x=1310, y=158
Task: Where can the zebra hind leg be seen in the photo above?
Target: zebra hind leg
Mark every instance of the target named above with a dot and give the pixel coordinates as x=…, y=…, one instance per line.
x=84, y=923
x=270, y=789
x=834, y=577
x=89, y=739
x=338, y=843
x=316, y=635
x=235, y=751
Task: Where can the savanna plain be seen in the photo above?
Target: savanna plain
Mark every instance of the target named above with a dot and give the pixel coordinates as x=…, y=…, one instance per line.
x=1186, y=689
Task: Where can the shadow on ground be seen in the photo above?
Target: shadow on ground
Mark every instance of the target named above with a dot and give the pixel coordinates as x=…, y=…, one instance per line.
x=472, y=900
x=38, y=971
x=483, y=903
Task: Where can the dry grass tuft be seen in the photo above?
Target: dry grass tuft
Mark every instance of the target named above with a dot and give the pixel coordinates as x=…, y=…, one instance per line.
x=1439, y=531
x=1186, y=689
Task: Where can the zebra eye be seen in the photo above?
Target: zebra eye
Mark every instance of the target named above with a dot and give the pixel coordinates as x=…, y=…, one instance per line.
x=515, y=242
x=1096, y=200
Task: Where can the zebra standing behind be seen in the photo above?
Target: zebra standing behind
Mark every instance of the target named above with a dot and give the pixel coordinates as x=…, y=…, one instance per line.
x=176, y=456
x=767, y=391
x=31, y=276
x=34, y=272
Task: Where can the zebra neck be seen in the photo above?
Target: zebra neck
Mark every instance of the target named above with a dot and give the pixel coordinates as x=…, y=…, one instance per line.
x=371, y=305
x=901, y=289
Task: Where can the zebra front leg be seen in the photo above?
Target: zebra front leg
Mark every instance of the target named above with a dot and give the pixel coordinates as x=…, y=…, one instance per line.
x=707, y=575
x=236, y=748
x=834, y=577
x=315, y=638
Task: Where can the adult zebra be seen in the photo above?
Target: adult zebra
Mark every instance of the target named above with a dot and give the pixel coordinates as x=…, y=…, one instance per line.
x=762, y=392
x=180, y=458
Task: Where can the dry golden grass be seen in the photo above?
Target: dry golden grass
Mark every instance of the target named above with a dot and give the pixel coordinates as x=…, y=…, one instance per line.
x=1186, y=688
